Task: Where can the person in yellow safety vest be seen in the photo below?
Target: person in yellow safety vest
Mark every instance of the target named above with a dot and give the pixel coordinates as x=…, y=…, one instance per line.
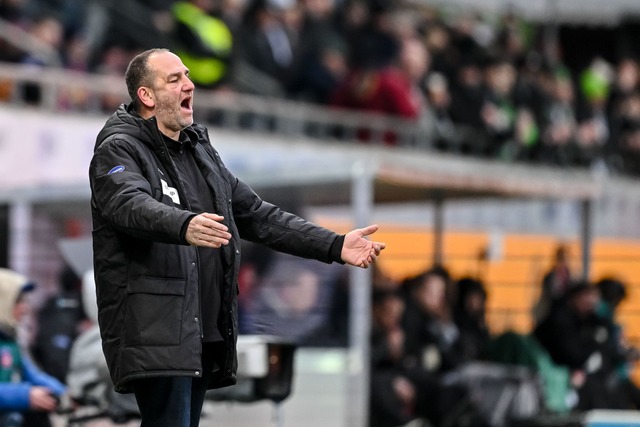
x=204, y=42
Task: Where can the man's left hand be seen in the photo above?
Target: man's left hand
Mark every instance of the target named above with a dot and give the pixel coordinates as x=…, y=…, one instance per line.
x=359, y=251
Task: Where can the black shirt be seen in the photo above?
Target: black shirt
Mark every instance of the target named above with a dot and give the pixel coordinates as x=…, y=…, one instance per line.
x=200, y=198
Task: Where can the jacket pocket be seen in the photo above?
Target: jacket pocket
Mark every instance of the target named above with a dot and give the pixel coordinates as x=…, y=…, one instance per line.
x=154, y=311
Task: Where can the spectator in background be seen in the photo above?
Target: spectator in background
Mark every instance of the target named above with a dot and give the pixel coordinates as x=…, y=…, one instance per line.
x=437, y=39
x=203, y=41
x=432, y=337
x=626, y=150
x=393, y=396
x=559, y=127
x=469, y=316
x=48, y=31
x=322, y=61
x=555, y=283
x=59, y=321
x=576, y=337
x=401, y=392
x=623, y=153
x=593, y=123
x=499, y=113
x=626, y=83
x=70, y=13
x=612, y=293
x=467, y=97
x=27, y=395
x=394, y=90
x=266, y=49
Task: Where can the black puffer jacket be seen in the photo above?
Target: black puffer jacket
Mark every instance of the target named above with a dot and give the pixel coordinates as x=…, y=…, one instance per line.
x=146, y=274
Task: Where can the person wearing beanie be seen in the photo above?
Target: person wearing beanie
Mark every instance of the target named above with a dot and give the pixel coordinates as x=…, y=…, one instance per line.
x=27, y=395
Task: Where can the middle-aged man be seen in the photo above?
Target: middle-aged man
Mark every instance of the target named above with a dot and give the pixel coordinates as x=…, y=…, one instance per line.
x=167, y=222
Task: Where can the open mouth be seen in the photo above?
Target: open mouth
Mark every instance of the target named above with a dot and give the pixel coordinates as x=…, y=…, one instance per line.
x=186, y=104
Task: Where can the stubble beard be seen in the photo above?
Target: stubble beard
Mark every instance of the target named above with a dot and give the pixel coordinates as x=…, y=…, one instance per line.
x=171, y=115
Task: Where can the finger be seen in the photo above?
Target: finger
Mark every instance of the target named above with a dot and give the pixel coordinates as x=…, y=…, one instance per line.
x=212, y=233
x=380, y=246
x=214, y=225
x=209, y=228
x=369, y=230
x=213, y=216
x=214, y=242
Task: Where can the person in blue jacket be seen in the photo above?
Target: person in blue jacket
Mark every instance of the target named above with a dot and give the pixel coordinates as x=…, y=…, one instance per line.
x=27, y=395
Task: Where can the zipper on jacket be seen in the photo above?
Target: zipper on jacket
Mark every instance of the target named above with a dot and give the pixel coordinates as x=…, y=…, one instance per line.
x=167, y=156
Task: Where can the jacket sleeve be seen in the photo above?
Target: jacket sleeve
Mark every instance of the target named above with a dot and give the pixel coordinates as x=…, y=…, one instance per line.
x=263, y=222
x=34, y=376
x=14, y=397
x=124, y=196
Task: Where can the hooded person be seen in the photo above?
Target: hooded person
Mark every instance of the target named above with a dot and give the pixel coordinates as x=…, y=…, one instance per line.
x=26, y=393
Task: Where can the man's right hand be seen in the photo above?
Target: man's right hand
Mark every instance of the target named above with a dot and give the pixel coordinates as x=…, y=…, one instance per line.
x=207, y=230
x=41, y=399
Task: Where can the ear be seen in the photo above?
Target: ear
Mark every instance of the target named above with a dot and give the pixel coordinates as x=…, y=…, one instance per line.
x=146, y=97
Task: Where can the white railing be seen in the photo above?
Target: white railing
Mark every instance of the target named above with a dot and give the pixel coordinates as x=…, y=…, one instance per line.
x=225, y=109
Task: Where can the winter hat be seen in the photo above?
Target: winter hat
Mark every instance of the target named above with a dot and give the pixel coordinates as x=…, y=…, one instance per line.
x=12, y=284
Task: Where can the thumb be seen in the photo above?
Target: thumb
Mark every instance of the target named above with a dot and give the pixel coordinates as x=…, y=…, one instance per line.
x=369, y=230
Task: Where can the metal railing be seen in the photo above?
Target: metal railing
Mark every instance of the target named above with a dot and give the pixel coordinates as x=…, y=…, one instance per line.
x=226, y=109
x=60, y=90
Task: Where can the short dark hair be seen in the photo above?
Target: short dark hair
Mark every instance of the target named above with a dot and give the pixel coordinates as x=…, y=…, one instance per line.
x=139, y=74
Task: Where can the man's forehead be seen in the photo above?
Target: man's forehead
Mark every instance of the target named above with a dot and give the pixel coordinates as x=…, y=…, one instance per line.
x=166, y=63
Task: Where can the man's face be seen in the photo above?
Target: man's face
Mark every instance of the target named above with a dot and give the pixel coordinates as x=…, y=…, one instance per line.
x=172, y=94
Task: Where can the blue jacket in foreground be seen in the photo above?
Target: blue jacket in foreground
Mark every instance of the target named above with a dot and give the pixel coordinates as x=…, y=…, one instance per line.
x=15, y=396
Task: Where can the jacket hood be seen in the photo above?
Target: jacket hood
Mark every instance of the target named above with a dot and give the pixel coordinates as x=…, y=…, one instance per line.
x=125, y=121
x=11, y=284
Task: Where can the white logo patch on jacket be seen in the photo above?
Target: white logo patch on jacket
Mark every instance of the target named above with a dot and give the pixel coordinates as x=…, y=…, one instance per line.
x=170, y=191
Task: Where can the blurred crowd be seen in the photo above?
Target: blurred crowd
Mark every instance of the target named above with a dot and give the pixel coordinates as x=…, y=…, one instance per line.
x=488, y=86
x=434, y=358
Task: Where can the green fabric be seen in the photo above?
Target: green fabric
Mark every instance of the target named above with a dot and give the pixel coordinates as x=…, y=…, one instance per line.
x=594, y=85
x=10, y=361
x=214, y=34
x=524, y=350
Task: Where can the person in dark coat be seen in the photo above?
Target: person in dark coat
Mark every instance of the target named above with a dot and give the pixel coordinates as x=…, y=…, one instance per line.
x=168, y=217
x=469, y=316
x=576, y=337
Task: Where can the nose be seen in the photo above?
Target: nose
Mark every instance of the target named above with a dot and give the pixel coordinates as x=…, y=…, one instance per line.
x=188, y=85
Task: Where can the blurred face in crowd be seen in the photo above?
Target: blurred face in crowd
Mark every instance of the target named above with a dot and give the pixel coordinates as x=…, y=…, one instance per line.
x=437, y=39
x=431, y=294
x=414, y=59
x=585, y=302
x=438, y=91
x=388, y=313
x=474, y=303
x=49, y=31
x=628, y=75
x=501, y=77
x=22, y=307
x=171, y=97
x=319, y=8
x=563, y=90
